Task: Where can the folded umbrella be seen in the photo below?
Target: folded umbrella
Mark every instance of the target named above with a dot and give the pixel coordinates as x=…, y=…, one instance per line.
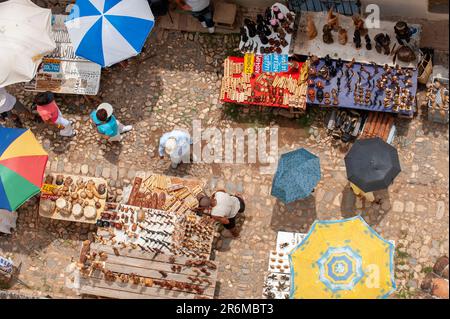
x=342, y=259
x=22, y=166
x=297, y=175
x=372, y=164
x=25, y=37
x=109, y=31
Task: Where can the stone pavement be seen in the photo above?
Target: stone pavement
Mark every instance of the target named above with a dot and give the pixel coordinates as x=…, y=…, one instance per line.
x=175, y=81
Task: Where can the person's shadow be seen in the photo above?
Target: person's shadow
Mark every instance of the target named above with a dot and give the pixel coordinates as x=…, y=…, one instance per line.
x=297, y=216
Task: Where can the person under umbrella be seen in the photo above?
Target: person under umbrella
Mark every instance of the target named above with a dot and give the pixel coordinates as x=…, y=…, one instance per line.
x=372, y=164
x=297, y=175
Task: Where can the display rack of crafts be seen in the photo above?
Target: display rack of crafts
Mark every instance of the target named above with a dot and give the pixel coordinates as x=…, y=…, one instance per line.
x=278, y=280
x=437, y=97
x=132, y=274
x=156, y=231
x=339, y=83
x=271, y=33
x=165, y=193
x=284, y=89
x=73, y=198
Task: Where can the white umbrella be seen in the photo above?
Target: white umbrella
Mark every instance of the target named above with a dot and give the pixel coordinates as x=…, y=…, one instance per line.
x=25, y=37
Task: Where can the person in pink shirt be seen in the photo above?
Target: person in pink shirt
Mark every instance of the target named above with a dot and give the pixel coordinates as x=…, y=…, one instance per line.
x=49, y=112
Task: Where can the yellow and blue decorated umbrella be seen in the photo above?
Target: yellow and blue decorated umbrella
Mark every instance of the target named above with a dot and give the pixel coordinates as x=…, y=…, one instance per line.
x=342, y=259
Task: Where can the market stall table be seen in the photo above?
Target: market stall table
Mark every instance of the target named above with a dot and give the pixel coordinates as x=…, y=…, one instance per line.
x=130, y=274
x=284, y=90
x=165, y=192
x=277, y=37
x=64, y=72
x=377, y=88
x=156, y=231
x=316, y=46
x=73, y=198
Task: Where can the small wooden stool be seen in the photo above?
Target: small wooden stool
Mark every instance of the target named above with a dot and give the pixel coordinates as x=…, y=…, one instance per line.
x=225, y=15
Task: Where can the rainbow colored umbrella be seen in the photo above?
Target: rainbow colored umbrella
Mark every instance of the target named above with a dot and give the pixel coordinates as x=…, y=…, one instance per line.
x=22, y=166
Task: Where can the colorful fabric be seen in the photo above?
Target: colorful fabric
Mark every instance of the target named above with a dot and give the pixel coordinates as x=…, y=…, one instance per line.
x=48, y=112
x=107, y=32
x=22, y=166
x=109, y=128
x=342, y=259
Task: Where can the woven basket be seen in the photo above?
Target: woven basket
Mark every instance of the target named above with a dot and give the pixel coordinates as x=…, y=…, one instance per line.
x=425, y=69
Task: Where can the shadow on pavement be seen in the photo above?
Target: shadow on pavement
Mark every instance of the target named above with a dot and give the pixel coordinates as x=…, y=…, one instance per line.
x=295, y=217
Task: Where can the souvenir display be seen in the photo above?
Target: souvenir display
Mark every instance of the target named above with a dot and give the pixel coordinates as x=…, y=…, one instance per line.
x=286, y=90
x=437, y=98
x=271, y=33
x=278, y=262
x=165, y=193
x=382, y=42
x=277, y=286
x=333, y=20
x=73, y=198
x=405, y=54
x=359, y=25
x=327, y=37
x=149, y=275
x=345, y=124
x=311, y=30
x=155, y=231
x=362, y=86
x=402, y=32
x=342, y=36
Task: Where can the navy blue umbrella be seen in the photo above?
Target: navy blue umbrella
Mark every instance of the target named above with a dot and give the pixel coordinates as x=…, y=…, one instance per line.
x=297, y=175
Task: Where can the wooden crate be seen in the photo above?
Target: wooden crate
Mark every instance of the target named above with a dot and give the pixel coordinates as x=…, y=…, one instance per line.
x=378, y=125
x=225, y=15
x=147, y=265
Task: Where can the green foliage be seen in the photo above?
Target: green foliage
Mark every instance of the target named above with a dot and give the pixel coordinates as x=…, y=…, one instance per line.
x=308, y=118
x=427, y=270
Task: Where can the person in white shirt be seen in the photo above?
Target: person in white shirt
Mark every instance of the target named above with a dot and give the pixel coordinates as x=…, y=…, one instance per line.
x=224, y=208
x=177, y=145
x=8, y=103
x=200, y=9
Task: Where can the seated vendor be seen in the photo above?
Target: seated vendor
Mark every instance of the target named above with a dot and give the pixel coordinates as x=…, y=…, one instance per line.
x=224, y=208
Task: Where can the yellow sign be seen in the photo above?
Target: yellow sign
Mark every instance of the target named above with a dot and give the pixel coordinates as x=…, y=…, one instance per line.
x=249, y=63
x=48, y=188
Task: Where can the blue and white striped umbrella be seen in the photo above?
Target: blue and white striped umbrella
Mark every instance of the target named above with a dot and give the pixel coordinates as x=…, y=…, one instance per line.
x=109, y=31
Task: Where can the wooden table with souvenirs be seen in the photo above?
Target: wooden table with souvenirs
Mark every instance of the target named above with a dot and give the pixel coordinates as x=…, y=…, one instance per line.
x=62, y=71
x=73, y=198
x=270, y=89
x=125, y=273
x=152, y=246
x=349, y=38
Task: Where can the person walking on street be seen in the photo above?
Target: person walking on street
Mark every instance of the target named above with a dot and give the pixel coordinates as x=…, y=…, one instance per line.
x=8, y=105
x=200, y=9
x=224, y=208
x=177, y=145
x=50, y=113
x=106, y=123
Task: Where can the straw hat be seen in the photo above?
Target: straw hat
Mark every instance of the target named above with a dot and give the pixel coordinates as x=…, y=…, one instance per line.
x=170, y=146
x=107, y=107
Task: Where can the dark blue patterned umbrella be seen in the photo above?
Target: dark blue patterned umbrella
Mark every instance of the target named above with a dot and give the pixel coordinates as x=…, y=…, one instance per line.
x=297, y=174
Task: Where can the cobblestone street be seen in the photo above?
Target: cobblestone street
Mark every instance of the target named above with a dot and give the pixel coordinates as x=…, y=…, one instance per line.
x=175, y=81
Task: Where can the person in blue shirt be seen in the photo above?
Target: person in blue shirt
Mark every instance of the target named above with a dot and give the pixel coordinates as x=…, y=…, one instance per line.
x=177, y=145
x=106, y=123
